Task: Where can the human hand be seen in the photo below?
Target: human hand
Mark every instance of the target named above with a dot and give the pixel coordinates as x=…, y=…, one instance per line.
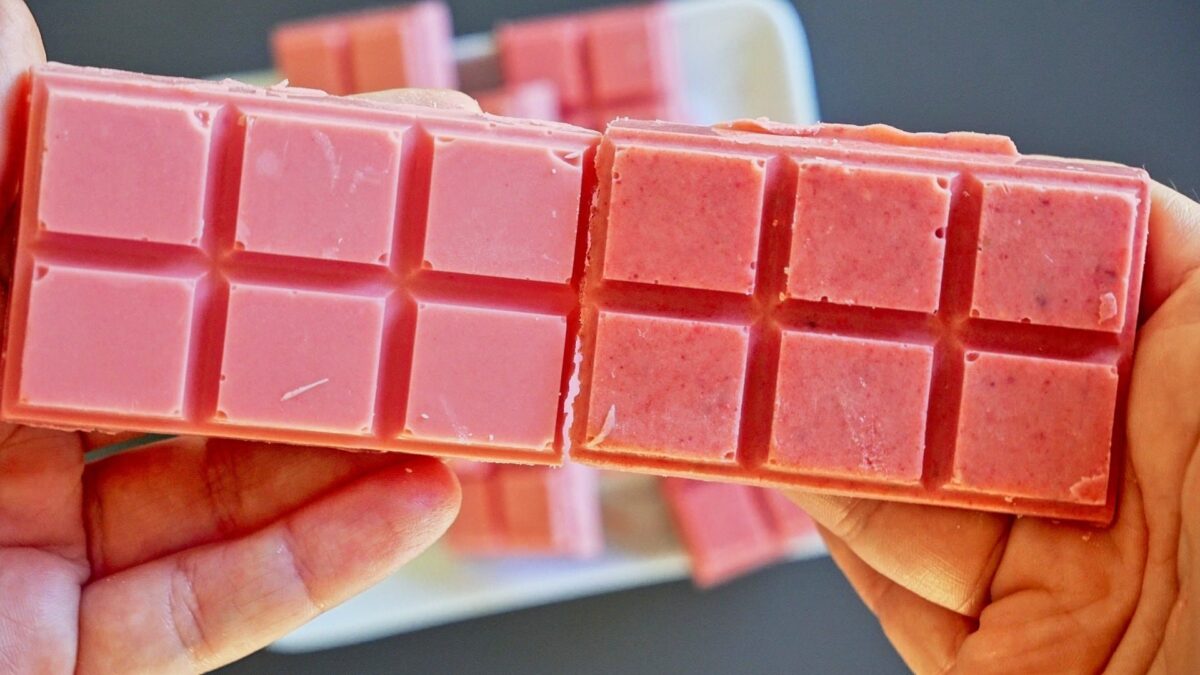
x=188, y=554
x=960, y=591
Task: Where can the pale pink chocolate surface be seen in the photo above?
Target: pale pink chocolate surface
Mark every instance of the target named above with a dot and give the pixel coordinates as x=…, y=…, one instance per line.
x=605, y=63
x=862, y=311
x=406, y=46
x=524, y=510
x=214, y=259
x=732, y=530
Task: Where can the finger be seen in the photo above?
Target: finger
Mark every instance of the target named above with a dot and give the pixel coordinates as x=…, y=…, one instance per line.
x=1173, y=249
x=948, y=556
x=42, y=561
x=40, y=494
x=1181, y=642
x=39, y=610
x=444, y=99
x=21, y=45
x=1183, y=630
x=925, y=635
x=184, y=492
x=1164, y=425
x=202, y=608
x=1063, y=596
x=1164, y=418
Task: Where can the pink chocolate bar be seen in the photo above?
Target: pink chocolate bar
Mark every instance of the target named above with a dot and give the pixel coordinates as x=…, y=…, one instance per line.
x=527, y=510
x=932, y=318
x=214, y=259
x=605, y=64
x=929, y=318
x=732, y=530
x=408, y=46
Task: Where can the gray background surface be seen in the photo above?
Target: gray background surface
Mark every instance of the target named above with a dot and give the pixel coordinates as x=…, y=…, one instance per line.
x=1111, y=80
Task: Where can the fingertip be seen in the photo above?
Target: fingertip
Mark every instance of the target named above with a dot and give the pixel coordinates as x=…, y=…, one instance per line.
x=431, y=487
x=21, y=45
x=1173, y=249
x=383, y=519
x=443, y=99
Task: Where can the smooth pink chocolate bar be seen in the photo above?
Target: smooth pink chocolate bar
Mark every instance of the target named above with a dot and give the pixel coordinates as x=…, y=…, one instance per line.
x=214, y=259
x=605, y=63
x=407, y=46
x=732, y=530
x=527, y=510
x=931, y=318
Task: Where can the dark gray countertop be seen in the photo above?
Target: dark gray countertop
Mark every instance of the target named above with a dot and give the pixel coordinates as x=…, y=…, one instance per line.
x=1107, y=80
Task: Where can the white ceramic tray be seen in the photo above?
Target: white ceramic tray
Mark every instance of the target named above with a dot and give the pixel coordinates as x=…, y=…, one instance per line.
x=741, y=58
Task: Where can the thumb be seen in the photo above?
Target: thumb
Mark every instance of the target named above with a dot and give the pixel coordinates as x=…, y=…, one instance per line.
x=20, y=48
x=1164, y=423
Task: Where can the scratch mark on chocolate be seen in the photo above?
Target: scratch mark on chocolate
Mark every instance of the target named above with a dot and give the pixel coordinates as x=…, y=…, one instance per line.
x=610, y=423
x=298, y=391
x=461, y=431
x=330, y=154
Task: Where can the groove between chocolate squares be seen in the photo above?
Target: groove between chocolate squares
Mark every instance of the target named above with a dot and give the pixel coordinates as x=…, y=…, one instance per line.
x=762, y=354
x=409, y=224
x=212, y=298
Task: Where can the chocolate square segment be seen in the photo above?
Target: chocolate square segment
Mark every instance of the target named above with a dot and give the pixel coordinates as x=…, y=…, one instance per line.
x=1035, y=427
x=851, y=407
x=300, y=359
x=135, y=169
x=504, y=209
x=869, y=236
x=108, y=341
x=667, y=387
x=463, y=393
x=1072, y=246
x=319, y=189
x=684, y=218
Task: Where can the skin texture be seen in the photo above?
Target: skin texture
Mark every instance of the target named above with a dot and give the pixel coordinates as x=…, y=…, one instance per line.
x=958, y=591
x=186, y=555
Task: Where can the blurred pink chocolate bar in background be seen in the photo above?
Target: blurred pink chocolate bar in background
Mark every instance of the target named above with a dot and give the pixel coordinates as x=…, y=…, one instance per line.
x=510, y=510
x=731, y=530
x=406, y=46
x=537, y=99
x=606, y=63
